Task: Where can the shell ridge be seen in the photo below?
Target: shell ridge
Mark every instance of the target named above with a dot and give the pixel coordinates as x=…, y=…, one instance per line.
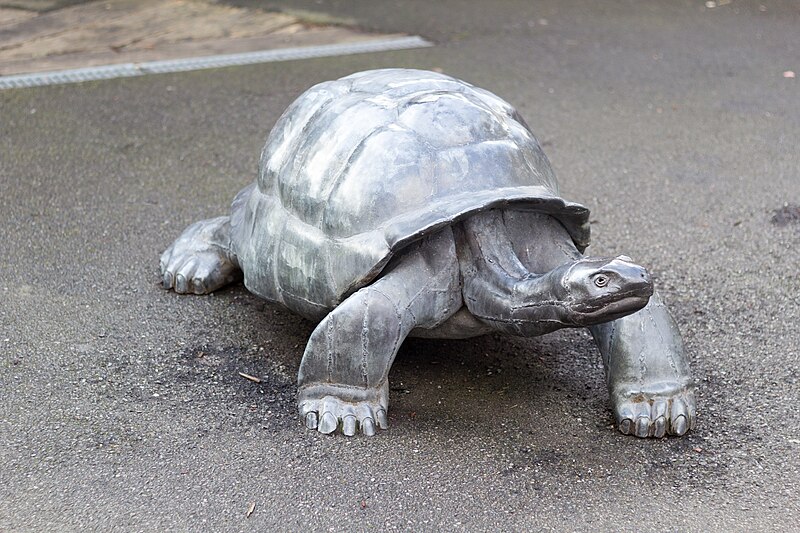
x=457, y=207
x=352, y=157
x=319, y=156
x=287, y=137
x=298, y=148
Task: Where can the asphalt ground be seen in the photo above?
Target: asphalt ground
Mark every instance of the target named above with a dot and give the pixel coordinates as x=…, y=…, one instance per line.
x=122, y=404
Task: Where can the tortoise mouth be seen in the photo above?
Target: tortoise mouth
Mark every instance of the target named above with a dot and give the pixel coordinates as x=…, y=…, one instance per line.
x=612, y=307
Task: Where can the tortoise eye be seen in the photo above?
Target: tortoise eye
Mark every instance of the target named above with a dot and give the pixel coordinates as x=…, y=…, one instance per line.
x=601, y=281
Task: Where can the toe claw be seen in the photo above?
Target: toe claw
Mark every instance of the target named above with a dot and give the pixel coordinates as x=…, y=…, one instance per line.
x=349, y=426
x=327, y=424
x=198, y=287
x=167, y=281
x=642, y=426
x=625, y=426
x=311, y=420
x=180, y=284
x=383, y=421
x=679, y=425
x=368, y=427
x=660, y=427
x=328, y=413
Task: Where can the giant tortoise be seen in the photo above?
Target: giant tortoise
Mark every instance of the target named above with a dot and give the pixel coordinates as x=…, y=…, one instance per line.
x=394, y=203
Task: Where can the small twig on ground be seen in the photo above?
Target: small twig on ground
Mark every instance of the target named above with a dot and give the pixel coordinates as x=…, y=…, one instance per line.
x=251, y=378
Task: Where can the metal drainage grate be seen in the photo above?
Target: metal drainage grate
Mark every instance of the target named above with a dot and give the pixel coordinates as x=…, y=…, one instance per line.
x=127, y=70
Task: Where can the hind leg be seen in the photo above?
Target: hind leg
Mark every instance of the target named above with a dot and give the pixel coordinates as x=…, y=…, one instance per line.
x=647, y=370
x=200, y=261
x=343, y=378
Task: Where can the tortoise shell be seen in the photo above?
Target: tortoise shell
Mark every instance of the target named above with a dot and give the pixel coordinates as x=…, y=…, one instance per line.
x=358, y=168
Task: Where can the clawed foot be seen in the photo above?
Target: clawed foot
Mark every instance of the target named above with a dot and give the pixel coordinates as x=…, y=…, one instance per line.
x=329, y=413
x=199, y=261
x=648, y=372
x=655, y=415
x=351, y=410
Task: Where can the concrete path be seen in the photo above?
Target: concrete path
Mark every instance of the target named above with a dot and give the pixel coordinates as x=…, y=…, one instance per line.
x=132, y=31
x=122, y=407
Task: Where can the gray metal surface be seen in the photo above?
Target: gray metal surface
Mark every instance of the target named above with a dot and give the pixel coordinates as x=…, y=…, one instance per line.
x=378, y=166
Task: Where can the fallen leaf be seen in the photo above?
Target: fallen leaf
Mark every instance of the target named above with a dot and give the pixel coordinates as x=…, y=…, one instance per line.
x=250, y=509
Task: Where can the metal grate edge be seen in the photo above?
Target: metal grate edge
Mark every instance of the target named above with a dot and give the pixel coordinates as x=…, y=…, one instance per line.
x=127, y=70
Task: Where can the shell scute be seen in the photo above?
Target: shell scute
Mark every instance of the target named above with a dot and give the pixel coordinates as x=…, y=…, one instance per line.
x=447, y=120
x=393, y=172
x=324, y=151
x=299, y=116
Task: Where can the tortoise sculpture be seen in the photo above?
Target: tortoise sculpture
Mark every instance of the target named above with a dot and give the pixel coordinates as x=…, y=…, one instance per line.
x=401, y=202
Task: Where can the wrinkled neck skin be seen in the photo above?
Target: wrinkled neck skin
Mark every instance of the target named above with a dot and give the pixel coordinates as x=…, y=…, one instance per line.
x=501, y=292
x=497, y=288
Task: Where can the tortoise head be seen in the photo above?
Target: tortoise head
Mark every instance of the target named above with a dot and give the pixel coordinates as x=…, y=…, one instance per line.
x=599, y=290
x=500, y=291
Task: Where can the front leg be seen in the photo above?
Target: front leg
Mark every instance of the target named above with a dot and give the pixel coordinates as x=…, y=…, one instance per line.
x=648, y=375
x=343, y=378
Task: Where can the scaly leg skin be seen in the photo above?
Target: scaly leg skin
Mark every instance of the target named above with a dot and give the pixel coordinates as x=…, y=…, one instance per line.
x=343, y=374
x=343, y=378
x=651, y=389
x=200, y=261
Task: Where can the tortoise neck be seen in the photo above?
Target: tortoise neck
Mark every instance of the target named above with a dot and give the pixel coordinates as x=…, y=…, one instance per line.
x=497, y=288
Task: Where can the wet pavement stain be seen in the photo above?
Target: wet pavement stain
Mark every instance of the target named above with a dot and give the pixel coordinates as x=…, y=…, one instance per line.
x=788, y=214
